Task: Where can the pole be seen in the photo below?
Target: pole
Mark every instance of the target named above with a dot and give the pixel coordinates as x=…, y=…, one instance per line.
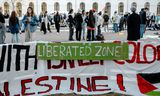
x=75, y=5
x=13, y=7
x=37, y=6
x=127, y=5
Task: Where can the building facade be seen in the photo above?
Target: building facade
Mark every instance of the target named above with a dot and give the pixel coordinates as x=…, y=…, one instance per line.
x=63, y=6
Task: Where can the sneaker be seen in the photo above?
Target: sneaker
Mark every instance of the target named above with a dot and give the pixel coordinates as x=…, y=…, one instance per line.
x=71, y=39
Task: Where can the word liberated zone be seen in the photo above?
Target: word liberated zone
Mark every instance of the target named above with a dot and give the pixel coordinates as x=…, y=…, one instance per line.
x=82, y=51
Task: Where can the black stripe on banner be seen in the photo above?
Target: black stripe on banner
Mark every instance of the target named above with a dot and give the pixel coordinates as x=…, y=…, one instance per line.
x=151, y=77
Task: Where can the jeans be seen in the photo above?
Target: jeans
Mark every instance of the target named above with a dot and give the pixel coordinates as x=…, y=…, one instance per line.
x=15, y=38
x=90, y=35
x=2, y=37
x=84, y=31
x=57, y=25
x=71, y=32
x=106, y=29
x=142, y=30
x=78, y=34
x=115, y=27
x=28, y=36
x=99, y=30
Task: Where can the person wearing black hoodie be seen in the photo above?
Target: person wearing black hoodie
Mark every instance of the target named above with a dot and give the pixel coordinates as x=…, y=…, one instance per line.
x=143, y=19
x=71, y=24
x=133, y=23
x=57, y=19
x=78, y=20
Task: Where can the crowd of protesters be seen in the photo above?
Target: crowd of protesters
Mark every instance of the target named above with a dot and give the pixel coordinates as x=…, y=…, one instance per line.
x=83, y=25
x=138, y=23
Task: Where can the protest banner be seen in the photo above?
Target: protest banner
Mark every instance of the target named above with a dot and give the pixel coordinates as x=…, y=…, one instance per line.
x=23, y=74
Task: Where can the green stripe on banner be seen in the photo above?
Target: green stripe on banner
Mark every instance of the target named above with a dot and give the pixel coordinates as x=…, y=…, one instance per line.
x=154, y=93
x=83, y=51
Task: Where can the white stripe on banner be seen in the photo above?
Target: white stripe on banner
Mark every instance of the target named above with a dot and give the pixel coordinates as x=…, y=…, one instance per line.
x=123, y=71
x=23, y=77
x=63, y=74
x=124, y=78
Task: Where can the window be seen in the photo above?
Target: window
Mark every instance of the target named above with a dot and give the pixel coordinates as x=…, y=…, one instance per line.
x=31, y=4
x=69, y=6
x=44, y=7
x=19, y=9
x=108, y=8
x=6, y=7
x=147, y=5
x=95, y=6
x=120, y=8
x=56, y=6
x=158, y=9
x=82, y=6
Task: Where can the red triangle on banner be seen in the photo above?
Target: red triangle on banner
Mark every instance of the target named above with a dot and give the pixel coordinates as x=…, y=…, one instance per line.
x=144, y=86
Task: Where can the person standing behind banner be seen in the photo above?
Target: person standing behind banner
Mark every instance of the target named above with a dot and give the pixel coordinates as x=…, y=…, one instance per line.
x=90, y=26
x=47, y=23
x=57, y=20
x=43, y=24
x=14, y=27
x=133, y=23
x=121, y=23
x=115, y=21
x=71, y=24
x=95, y=14
x=105, y=21
x=78, y=20
x=99, y=23
x=84, y=24
x=2, y=27
x=142, y=22
x=153, y=21
x=30, y=23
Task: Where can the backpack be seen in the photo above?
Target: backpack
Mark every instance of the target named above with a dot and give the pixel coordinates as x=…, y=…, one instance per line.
x=153, y=18
x=106, y=18
x=100, y=37
x=122, y=20
x=57, y=18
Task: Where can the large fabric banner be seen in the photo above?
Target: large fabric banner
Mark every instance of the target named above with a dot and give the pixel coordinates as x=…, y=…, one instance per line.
x=21, y=73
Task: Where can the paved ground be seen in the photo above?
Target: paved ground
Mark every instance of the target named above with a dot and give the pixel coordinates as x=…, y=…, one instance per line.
x=64, y=34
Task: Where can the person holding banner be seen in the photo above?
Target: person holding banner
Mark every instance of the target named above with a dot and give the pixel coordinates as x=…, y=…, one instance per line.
x=2, y=27
x=14, y=27
x=30, y=22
